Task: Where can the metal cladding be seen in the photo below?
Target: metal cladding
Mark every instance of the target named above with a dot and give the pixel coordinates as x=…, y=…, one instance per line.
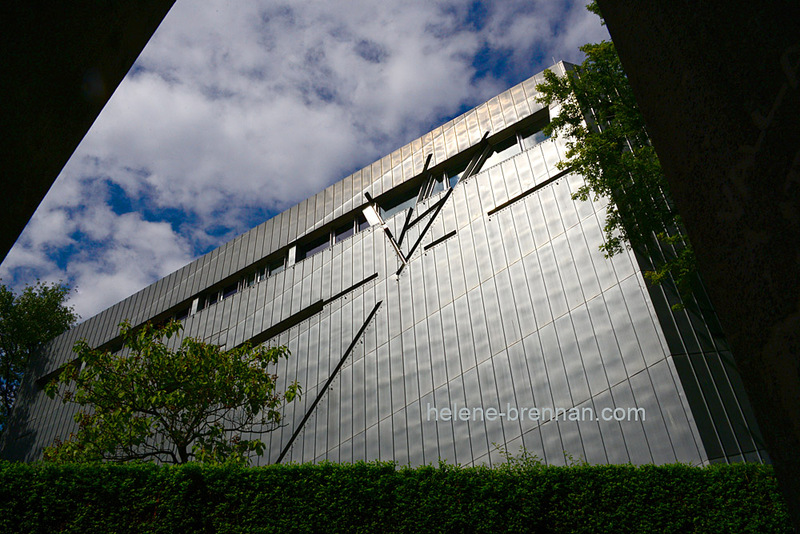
x=449, y=302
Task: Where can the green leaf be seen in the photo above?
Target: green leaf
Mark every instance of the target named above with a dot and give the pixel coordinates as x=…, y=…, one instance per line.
x=607, y=144
x=127, y=400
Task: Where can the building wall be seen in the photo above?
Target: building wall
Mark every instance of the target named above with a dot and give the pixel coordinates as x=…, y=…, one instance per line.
x=519, y=308
x=498, y=297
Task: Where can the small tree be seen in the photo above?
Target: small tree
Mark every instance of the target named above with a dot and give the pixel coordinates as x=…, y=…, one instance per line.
x=608, y=145
x=27, y=322
x=152, y=402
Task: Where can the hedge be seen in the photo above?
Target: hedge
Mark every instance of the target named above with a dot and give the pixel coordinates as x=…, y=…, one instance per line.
x=378, y=497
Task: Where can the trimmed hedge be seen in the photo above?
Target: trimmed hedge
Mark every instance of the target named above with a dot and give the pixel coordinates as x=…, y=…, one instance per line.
x=378, y=497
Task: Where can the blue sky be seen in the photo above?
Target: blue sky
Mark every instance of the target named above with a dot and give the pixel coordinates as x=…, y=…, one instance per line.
x=237, y=110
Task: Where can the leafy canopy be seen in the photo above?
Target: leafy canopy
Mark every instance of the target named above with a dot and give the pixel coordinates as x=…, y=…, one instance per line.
x=608, y=145
x=27, y=322
x=194, y=403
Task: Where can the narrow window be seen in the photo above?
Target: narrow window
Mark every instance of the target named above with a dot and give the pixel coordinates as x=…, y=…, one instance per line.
x=345, y=231
x=533, y=134
x=532, y=138
x=182, y=314
x=275, y=266
x=502, y=151
x=438, y=183
x=455, y=173
x=247, y=281
x=230, y=290
x=361, y=223
x=212, y=299
x=395, y=204
x=307, y=250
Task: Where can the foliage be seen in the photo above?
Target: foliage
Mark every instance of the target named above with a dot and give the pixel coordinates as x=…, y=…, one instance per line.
x=27, y=322
x=379, y=497
x=608, y=145
x=524, y=460
x=153, y=402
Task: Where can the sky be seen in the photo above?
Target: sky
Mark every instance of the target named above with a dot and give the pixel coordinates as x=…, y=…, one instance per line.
x=238, y=109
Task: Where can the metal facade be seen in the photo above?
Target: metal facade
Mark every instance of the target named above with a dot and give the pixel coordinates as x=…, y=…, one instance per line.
x=496, y=296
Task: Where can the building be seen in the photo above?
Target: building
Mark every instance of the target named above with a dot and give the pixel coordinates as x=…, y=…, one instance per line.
x=446, y=302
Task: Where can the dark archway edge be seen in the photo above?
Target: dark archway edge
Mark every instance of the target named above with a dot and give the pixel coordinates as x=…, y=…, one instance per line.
x=719, y=86
x=61, y=62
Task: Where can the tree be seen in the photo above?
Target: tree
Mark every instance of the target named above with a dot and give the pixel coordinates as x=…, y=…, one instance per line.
x=150, y=402
x=608, y=145
x=27, y=322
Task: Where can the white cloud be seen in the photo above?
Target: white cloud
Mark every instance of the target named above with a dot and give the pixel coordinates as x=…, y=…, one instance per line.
x=258, y=104
x=108, y=256
x=141, y=252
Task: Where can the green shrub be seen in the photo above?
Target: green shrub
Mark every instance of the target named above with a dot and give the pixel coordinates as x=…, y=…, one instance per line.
x=378, y=497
